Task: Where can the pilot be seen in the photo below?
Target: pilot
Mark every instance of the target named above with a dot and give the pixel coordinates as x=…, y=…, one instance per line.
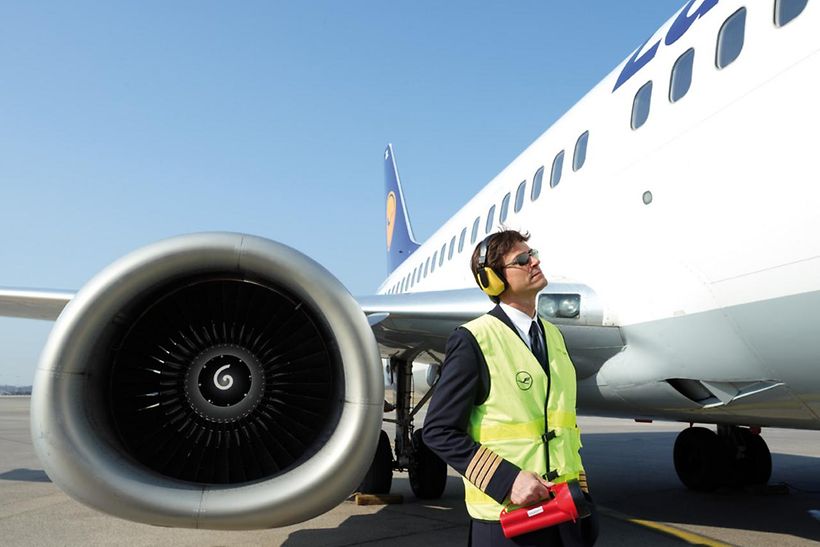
x=502, y=372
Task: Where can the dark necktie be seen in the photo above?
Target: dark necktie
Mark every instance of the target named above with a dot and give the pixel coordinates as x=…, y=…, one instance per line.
x=537, y=345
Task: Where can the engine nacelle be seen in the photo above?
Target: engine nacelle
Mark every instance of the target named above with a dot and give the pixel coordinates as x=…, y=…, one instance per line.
x=211, y=380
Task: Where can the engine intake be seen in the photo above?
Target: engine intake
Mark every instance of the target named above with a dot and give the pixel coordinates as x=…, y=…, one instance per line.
x=210, y=380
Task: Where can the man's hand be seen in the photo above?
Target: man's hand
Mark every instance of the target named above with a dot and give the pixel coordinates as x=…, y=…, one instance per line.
x=528, y=488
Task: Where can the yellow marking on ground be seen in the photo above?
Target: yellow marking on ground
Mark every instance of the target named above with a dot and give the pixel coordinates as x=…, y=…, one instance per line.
x=689, y=537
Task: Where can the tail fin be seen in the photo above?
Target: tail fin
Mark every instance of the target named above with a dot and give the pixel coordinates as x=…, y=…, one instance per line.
x=400, y=240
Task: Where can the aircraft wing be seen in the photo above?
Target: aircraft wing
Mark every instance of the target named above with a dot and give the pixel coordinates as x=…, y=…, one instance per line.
x=411, y=324
x=408, y=324
x=33, y=303
x=405, y=325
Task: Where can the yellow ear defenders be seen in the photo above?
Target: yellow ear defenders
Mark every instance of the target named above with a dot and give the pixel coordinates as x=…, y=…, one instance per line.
x=489, y=281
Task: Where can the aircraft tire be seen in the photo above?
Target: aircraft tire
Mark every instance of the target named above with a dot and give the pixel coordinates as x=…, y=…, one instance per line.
x=379, y=477
x=700, y=459
x=427, y=472
x=756, y=465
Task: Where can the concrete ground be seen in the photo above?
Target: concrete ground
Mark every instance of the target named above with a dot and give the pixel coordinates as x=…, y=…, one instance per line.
x=630, y=471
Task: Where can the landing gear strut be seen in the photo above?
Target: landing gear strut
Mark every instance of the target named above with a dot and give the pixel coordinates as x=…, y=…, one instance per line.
x=734, y=456
x=427, y=472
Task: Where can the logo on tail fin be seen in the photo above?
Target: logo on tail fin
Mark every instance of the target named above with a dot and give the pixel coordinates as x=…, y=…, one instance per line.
x=400, y=240
x=391, y=217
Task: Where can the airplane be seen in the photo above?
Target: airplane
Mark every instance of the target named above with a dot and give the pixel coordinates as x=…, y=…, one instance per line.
x=227, y=381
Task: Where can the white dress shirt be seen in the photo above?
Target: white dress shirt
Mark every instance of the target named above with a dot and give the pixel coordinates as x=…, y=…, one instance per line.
x=521, y=321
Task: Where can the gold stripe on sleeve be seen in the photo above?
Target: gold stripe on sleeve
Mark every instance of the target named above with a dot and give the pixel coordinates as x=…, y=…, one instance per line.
x=488, y=474
x=481, y=469
x=480, y=454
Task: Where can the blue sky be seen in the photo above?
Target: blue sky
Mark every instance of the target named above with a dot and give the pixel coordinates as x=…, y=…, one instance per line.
x=123, y=124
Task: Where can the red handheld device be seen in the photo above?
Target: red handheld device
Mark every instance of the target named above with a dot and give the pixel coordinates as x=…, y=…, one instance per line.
x=567, y=503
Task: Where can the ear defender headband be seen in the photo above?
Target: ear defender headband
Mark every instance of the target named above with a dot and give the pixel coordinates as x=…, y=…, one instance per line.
x=489, y=281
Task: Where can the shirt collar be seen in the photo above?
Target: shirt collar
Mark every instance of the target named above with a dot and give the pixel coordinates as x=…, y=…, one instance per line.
x=521, y=320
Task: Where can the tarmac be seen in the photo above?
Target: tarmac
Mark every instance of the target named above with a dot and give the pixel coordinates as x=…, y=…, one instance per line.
x=630, y=470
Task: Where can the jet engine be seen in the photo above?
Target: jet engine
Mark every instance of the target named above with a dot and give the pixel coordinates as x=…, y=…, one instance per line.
x=212, y=380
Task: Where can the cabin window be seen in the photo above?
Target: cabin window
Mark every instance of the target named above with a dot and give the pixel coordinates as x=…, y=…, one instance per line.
x=413, y=278
x=519, y=196
x=441, y=257
x=452, y=248
x=418, y=275
x=640, y=105
x=557, y=166
x=730, y=38
x=580, y=154
x=433, y=262
x=490, y=218
x=681, y=76
x=786, y=10
x=426, y=266
x=505, y=207
x=461, y=239
x=536, y=184
x=474, y=234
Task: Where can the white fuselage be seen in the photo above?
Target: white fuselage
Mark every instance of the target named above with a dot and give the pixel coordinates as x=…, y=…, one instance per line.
x=717, y=279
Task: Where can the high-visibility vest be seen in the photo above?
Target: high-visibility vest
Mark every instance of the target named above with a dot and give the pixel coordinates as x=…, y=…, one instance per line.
x=510, y=422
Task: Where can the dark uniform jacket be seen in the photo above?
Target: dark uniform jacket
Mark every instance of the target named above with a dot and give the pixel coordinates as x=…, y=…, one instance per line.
x=465, y=383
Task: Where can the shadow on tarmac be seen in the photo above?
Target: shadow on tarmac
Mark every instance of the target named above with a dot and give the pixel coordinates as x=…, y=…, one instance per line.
x=415, y=522
x=633, y=473
x=27, y=475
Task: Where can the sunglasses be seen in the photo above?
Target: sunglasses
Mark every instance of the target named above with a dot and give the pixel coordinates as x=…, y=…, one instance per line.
x=523, y=259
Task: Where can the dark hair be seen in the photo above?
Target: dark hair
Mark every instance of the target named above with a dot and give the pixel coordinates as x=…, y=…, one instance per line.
x=498, y=245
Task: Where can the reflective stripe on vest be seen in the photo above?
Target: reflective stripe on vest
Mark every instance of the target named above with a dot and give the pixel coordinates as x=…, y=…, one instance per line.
x=510, y=422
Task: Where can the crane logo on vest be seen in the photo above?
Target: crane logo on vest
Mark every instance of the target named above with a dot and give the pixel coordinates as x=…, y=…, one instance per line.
x=523, y=380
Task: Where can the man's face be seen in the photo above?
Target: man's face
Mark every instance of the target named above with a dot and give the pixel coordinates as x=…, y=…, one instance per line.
x=526, y=279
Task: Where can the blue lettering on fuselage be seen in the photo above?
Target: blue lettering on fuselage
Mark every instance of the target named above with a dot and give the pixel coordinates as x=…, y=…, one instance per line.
x=635, y=63
x=680, y=25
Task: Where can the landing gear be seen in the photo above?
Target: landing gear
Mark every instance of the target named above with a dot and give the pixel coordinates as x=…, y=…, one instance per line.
x=750, y=461
x=428, y=473
x=735, y=456
x=379, y=477
x=699, y=459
